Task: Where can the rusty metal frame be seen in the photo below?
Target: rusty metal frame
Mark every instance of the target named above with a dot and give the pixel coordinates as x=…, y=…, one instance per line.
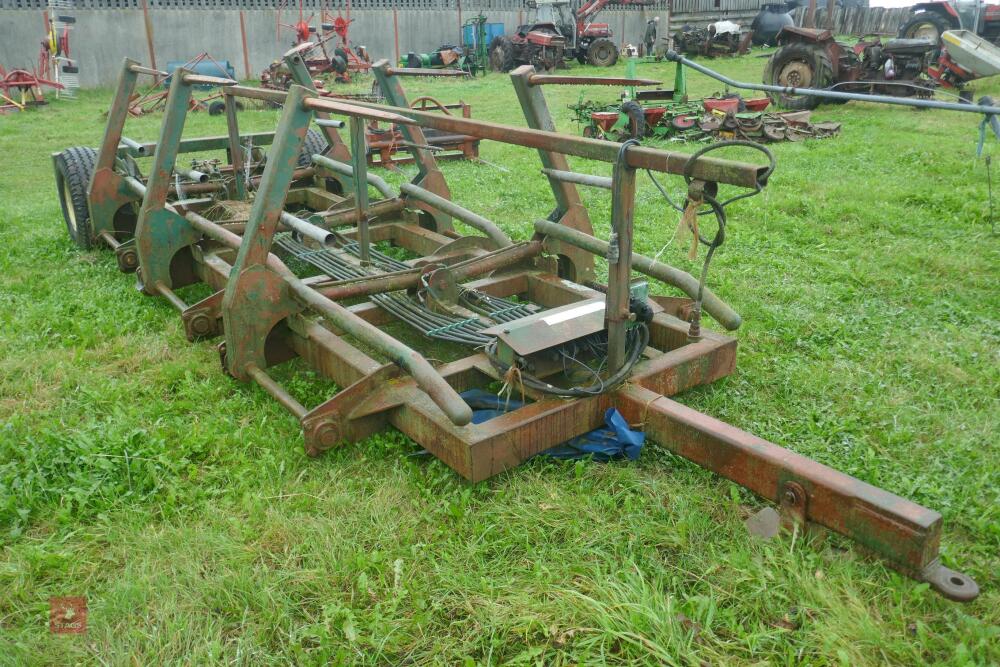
x=270, y=315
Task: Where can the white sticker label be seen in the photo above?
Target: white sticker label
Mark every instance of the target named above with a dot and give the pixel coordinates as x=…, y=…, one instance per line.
x=572, y=313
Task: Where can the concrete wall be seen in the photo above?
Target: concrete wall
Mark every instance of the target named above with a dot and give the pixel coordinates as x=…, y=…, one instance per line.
x=102, y=38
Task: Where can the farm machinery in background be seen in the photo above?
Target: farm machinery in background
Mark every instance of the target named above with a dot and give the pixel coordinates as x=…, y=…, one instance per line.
x=930, y=20
x=23, y=87
x=472, y=57
x=668, y=114
x=810, y=58
x=722, y=38
x=325, y=56
x=153, y=99
x=560, y=30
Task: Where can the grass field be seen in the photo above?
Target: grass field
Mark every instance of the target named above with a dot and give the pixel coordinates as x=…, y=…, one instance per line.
x=181, y=504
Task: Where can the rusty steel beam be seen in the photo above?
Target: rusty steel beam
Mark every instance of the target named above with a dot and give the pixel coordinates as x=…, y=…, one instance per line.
x=900, y=531
x=136, y=68
x=351, y=109
x=711, y=169
x=561, y=80
x=202, y=80
x=639, y=157
x=423, y=71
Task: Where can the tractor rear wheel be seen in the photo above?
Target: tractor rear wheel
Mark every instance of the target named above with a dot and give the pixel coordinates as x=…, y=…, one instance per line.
x=799, y=65
x=602, y=53
x=74, y=168
x=925, y=25
x=314, y=144
x=501, y=54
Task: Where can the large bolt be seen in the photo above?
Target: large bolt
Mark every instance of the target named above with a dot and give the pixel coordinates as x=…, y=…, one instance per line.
x=128, y=260
x=327, y=435
x=201, y=324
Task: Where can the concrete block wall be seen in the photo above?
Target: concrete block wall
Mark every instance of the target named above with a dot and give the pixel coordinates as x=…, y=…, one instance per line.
x=103, y=37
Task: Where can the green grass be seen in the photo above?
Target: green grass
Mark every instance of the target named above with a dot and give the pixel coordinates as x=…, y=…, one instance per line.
x=181, y=504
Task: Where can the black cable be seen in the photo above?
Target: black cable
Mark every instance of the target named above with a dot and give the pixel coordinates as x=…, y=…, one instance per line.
x=692, y=160
x=639, y=337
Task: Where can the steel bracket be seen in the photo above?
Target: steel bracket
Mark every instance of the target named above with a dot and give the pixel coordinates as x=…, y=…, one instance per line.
x=204, y=319
x=343, y=418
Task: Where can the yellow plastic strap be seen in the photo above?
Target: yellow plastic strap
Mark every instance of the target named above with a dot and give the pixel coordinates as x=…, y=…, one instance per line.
x=689, y=225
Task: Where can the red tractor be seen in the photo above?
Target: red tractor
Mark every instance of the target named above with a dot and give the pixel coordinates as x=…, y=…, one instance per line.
x=931, y=19
x=810, y=58
x=562, y=29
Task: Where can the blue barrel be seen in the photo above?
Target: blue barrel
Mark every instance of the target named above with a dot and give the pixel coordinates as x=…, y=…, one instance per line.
x=205, y=68
x=492, y=30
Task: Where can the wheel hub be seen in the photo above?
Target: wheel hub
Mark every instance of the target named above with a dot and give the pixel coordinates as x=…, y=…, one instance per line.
x=795, y=74
x=926, y=31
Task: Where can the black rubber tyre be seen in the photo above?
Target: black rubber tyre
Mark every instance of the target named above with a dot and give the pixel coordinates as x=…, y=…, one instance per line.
x=799, y=65
x=315, y=144
x=218, y=107
x=926, y=25
x=636, y=120
x=339, y=60
x=74, y=167
x=602, y=53
x=501, y=54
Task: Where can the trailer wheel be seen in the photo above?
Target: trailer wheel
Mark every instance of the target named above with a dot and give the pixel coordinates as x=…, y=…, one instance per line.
x=501, y=54
x=636, y=120
x=602, y=53
x=315, y=144
x=74, y=167
x=798, y=65
x=218, y=107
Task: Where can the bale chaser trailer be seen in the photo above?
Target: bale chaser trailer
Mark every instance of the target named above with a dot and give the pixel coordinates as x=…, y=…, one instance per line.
x=298, y=257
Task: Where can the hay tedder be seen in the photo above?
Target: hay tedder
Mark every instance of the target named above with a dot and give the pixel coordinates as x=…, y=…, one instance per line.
x=300, y=261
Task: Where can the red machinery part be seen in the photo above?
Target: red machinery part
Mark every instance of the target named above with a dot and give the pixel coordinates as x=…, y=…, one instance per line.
x=604, y=119
x=683, y=122
x=653, y=115
x=23, y=80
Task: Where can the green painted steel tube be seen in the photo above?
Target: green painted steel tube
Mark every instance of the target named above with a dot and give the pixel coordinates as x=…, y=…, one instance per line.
x=134, y=146
x=307, y=229
x=428, y=379
x=347, y=170
x=684, y=281
x=578, y=178
x=192, y=174
x=451, y=208
x=267, y=383
x=136, y=186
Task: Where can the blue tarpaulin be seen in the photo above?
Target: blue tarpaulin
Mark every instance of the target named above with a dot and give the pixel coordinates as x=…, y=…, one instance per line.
x=615, y=441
